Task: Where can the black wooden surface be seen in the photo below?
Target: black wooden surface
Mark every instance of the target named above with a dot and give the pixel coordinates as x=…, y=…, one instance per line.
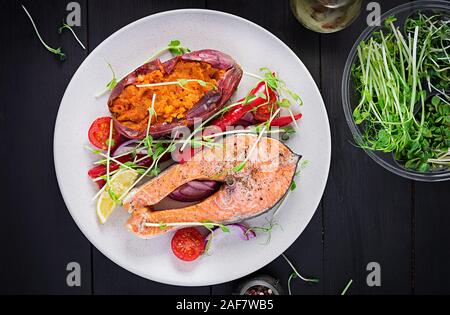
x=366, y=214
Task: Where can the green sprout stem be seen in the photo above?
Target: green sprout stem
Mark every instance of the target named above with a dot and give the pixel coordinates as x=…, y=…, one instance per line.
x=241, y=165
x=152, y=166
x=203, y=124
x=108, y=157
x=179, y=82
x=180, y=224
x=67, y=26
x=56, y=51
x=347, y=287
x=292, y=276
x=297, y=273
x=111, y=84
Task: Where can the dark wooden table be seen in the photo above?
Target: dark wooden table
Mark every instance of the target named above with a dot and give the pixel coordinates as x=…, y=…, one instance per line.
x=367, y=214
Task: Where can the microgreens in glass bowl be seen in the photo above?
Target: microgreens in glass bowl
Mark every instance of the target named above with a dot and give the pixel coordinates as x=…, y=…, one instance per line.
x=396, y=91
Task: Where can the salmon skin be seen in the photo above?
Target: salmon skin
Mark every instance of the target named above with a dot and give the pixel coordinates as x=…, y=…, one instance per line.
x=245, y=193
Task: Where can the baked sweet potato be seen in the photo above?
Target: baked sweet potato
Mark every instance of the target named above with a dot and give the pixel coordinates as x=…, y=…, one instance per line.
x=175, y=104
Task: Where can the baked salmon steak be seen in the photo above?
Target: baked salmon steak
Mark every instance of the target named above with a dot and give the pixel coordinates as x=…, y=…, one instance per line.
x=192, y=86
x=248, y=190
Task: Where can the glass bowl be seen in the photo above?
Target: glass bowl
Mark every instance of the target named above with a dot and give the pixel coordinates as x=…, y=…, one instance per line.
x=349, y=97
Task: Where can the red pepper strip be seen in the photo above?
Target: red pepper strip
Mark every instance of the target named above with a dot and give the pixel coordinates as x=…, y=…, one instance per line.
x=238, y=111
x=284, y=121
x=100, y=170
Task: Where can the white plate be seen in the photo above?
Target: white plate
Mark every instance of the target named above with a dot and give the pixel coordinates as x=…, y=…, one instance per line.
x=252, y=47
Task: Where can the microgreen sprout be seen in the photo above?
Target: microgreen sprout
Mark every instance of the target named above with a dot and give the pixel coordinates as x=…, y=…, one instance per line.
x=292, y=276
x=111, y=84
x=67, y=26
x=296, y=274
x=56, y=51
x=180, y=82
x=126, y=165
x=293, y=185
x=241, y=165
x=108, y=156
x=206, y=224
x=443, y=159
x=151, y=112
x=274, y=81
x=210, y=226
x=174, y=47
x=347, y=287
x=206, y=121
x=113, y=196
x=108, y=163
x=250, y=129
x=303, y=165
x=276, y=84
x=394, y=75
x=266, y=228
x=157, y=155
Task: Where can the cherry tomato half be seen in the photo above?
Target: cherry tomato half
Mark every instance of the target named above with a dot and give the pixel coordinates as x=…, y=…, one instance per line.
x=188, y=244
x=99, y=133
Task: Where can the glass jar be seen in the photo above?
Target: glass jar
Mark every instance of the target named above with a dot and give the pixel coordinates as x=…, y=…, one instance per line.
x=326, y=16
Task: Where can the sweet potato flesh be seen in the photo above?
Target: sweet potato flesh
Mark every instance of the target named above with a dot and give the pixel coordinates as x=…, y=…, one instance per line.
x=172, y=101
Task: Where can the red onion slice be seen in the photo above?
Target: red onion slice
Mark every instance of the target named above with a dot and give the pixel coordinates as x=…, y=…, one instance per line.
x=195, y=190
x=125, y=147
x=246, y=120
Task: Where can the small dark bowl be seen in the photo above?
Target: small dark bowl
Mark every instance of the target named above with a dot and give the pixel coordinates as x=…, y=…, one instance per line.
x=260, y=280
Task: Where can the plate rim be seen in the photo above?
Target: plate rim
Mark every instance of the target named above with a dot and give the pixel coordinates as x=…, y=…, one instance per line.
x=131, y=268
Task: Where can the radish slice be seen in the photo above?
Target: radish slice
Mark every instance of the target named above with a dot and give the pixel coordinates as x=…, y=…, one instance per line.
x=238, y=229
x=195, y=190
